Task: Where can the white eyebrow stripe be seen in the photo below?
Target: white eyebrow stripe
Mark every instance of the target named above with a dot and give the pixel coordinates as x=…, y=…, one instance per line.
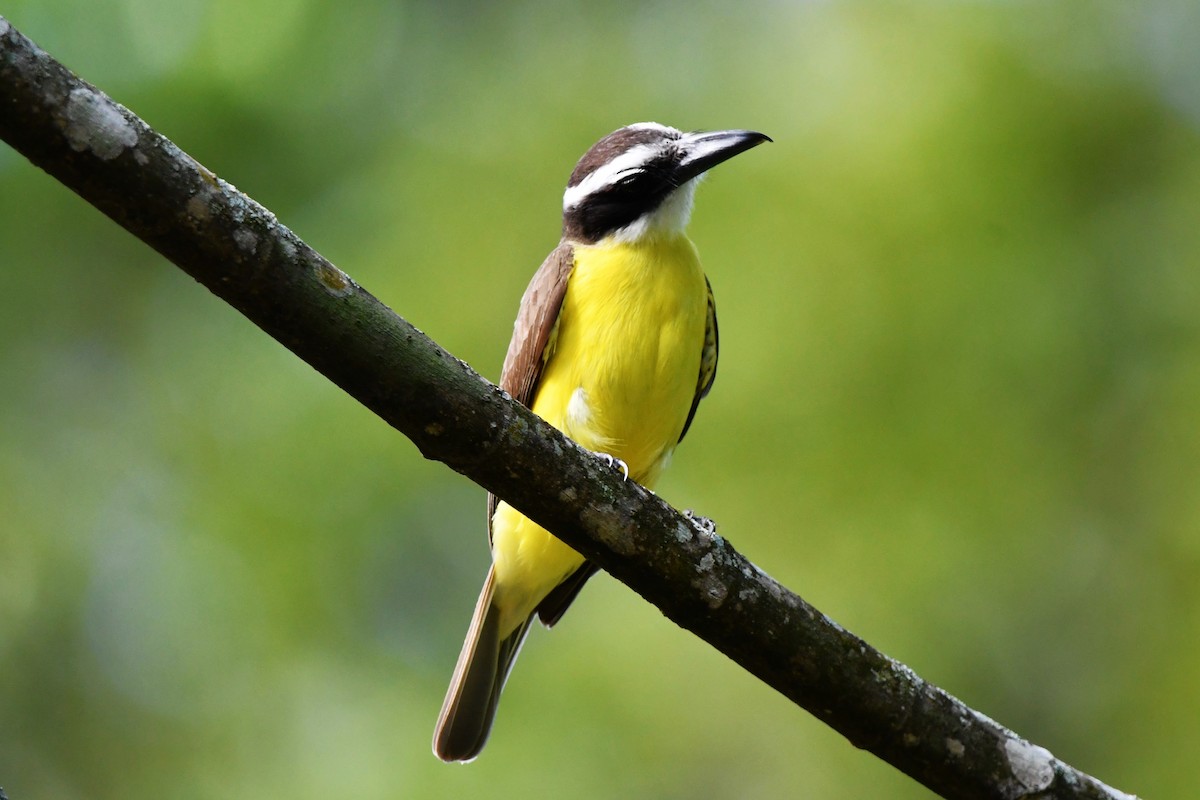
x=608, y=174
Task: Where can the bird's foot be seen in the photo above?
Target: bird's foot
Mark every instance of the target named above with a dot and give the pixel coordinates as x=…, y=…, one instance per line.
x=614, y=463
x=704, y=524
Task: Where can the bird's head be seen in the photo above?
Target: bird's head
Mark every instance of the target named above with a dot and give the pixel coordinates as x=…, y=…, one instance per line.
x=639, y=180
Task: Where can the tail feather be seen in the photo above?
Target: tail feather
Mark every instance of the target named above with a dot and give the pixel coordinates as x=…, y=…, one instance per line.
x=483, y=667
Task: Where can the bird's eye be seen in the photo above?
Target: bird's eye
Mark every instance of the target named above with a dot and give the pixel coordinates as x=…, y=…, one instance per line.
x=627, y=180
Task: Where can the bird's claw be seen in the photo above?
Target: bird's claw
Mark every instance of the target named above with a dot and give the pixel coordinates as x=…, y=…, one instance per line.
x=614, y=462
x=704, y=524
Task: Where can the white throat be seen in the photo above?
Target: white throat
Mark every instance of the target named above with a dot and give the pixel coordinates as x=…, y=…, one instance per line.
x=669, y=219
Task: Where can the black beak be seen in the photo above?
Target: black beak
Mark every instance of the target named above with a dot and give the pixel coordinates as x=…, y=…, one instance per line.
x=703, y=150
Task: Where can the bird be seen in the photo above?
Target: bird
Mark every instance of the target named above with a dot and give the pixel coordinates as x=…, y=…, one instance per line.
x=615, y=344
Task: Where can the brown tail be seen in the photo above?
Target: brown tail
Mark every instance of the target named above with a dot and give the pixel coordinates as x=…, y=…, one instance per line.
x=483, y=666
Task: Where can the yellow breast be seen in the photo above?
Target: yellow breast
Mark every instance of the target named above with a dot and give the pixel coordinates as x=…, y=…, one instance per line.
x=622, y=371
x=620, y=378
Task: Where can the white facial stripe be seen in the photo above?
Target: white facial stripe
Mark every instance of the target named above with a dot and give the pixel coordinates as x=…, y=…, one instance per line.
x=608, y=174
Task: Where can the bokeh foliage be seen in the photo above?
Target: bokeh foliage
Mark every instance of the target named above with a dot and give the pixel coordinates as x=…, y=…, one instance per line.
x=958, y=405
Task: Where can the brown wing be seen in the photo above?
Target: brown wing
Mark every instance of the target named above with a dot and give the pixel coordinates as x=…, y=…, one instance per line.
x=708, y=360
x=533, y=334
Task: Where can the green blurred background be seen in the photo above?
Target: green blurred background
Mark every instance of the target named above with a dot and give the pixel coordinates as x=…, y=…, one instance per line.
x=958, y=406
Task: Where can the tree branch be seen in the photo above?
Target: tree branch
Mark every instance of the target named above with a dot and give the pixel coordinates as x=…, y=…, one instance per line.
x=238, y=250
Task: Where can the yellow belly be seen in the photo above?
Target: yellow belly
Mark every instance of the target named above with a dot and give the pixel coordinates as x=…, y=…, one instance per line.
x=620, y=379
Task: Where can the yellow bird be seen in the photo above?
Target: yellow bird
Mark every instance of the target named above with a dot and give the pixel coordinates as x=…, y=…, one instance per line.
x=615, y=344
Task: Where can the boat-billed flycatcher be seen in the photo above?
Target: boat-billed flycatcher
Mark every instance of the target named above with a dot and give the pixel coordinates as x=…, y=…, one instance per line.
x=615, y=344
